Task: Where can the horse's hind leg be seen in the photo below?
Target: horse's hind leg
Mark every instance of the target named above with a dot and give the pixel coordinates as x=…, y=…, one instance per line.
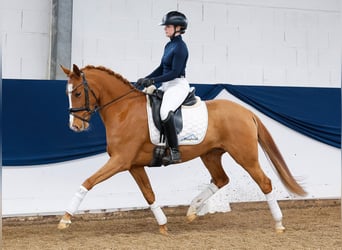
x=141, y=178
x=212, y=161
x=265, y=185
x=247, y=157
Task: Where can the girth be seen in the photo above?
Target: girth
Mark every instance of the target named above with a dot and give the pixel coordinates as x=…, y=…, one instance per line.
x=155, y=102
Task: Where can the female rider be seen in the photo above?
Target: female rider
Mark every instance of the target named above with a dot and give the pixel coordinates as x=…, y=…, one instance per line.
x=171, y=73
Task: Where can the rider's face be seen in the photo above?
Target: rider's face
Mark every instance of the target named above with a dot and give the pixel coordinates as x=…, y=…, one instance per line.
x=170, y=30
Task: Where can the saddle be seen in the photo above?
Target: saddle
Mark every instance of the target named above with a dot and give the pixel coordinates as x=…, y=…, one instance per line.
x=155, y=101
x=192, y=111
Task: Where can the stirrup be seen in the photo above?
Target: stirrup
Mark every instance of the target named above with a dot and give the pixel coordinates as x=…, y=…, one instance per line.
x=173, y=157
x=158, y=154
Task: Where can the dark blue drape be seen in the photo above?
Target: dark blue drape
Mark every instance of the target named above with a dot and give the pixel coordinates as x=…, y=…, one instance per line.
x=35, y=118
x=35, y=125
x=315, y=112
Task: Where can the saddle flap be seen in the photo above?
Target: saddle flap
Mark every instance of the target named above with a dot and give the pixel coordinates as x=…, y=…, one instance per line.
x=156, y=98
x=191, y=98
x=155, y=102
x=195, y=122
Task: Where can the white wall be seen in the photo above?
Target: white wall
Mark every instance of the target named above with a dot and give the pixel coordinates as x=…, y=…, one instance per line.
x=231, y=41
x=241, y=42
x=47, y=189
x=25, y=37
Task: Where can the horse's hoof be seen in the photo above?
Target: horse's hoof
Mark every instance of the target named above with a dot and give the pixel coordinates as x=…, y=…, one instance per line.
x=163, y=230
x=63, y=224
x=280, y=230
x=279, y=227
x=191, y=217
x=191, y=214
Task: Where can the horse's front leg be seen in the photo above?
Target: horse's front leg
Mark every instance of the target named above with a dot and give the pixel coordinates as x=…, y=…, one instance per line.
x=141, y=178
x=114, y=165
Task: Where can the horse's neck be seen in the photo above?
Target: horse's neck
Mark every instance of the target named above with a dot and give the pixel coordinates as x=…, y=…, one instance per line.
x=117, y=97
x=114, y=88
x=109, y=87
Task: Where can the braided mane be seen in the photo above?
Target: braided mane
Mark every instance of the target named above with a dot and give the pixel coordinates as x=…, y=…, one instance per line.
x=109, y=71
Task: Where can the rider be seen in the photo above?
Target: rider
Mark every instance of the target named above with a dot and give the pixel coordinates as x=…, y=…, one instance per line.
x=171, y=73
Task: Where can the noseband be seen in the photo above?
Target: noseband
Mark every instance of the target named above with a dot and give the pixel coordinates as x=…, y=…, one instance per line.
x=73, y=111
x=86, y=107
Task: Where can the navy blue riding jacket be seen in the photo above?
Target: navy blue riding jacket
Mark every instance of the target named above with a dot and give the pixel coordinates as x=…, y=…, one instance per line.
x=173, y=62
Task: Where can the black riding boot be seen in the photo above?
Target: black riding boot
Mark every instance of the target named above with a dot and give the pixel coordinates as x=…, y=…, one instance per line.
x=171, y=139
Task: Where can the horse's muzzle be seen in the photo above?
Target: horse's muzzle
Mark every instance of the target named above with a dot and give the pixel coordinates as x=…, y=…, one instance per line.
x=79, y=126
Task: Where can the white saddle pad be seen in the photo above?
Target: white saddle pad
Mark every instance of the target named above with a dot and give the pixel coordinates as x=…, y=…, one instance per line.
x=195, y=124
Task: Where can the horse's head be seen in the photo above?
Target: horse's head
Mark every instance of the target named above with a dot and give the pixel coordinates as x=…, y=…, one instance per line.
x=82, y=99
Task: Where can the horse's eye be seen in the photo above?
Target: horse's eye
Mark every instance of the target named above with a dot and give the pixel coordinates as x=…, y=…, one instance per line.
x=77, y=94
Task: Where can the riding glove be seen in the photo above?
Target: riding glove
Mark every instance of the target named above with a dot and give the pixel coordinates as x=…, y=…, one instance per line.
x=145, y=82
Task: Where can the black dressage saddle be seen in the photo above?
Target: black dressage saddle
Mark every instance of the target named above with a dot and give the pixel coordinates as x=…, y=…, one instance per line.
x=155, y=102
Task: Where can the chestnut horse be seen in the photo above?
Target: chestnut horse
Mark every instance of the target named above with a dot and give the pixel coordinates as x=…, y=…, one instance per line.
x=231, y=128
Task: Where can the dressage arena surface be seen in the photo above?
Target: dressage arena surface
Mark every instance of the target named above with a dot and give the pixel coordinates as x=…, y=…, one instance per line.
x=310, y=224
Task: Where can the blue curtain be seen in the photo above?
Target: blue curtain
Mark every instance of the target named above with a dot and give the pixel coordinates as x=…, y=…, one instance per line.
x=315, y=112
x=35, y=125
x=35, y=118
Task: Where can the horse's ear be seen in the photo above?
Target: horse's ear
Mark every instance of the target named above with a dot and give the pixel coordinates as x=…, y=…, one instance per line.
x=76, y=70
x=65, y=70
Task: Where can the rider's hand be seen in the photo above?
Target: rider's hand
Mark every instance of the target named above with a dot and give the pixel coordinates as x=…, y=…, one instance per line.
x=145, y=82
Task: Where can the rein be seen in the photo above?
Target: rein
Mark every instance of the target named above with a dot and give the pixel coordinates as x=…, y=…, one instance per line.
x=87, y=108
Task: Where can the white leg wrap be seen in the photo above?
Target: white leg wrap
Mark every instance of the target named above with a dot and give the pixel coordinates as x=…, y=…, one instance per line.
x=158, y=214
x=76, y=200
x=274, y=207
x=198, y=201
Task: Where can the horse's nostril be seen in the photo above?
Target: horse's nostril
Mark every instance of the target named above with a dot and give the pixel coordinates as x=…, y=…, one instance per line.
x=74, y=127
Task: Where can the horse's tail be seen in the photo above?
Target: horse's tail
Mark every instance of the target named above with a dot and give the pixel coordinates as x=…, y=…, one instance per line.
x=276, y=159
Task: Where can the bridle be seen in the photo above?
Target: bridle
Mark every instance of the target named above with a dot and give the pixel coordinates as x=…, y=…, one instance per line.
x=86, y=107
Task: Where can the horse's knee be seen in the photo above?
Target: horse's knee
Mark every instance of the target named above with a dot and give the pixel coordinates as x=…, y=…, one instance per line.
x=150, y=198
x=88, y=184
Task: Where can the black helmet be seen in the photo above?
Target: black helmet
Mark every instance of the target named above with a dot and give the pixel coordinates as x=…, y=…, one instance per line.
x=175, y=18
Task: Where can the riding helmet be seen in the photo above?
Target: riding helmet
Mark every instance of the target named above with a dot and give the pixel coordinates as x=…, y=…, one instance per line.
x=175, y=18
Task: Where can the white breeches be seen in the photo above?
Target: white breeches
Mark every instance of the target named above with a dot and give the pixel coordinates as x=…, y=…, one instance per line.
x=175, y=92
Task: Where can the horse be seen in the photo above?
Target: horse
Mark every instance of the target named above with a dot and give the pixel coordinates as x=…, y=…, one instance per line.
x=231, y=128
